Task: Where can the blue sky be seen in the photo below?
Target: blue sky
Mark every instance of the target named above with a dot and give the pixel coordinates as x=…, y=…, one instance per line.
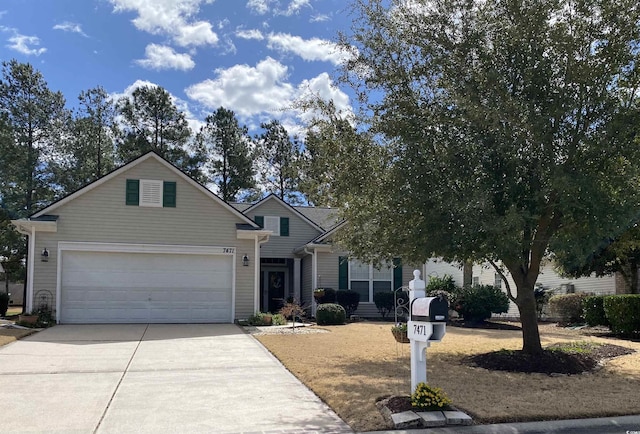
x=251, y=56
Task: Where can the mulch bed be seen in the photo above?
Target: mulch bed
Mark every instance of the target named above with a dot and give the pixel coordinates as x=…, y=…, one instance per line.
x=483, y=325
x=549, y=362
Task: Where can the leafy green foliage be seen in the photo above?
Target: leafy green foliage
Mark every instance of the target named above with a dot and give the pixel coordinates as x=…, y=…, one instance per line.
x=348, y=299
x=501, y=131
x=384, y=302
x=222, y=136
x=330, y=314
x=623, y=313
x=278, y=319
x=4, y=303
x=593, y=310
x=568, y=307
x=260, y=319
x=329, y=296
x=477, y=303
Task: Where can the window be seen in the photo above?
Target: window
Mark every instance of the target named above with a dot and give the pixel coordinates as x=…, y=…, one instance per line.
x=272, y=224
x=279, y=225
x=150, y=193
x=476, y=281
x=497, y=281
x=367, y=280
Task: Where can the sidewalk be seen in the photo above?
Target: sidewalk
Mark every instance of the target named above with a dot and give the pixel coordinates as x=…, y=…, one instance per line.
x=605, y=425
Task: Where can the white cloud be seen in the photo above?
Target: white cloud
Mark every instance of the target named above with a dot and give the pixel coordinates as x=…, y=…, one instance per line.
x=250, y=34
x=294, y=7
x=307, y=49
x=262, y=93
x=163, y=57
x=319, y=18
x=70, y=27
x=259, y=7
x=24, y=44
x=244, y=89
x=170, y=17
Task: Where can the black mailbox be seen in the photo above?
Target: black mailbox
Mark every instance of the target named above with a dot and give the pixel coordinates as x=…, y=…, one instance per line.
x=430, y=309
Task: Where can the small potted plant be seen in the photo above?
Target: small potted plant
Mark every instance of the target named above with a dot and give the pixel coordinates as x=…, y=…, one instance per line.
x=399, y=332
x=29, y=318
x=318, y=294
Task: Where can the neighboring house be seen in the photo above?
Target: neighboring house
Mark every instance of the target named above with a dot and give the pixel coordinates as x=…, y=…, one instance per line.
x=548, y=278
x=146, y=243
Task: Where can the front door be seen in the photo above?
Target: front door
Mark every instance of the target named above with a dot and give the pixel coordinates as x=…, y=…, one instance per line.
x=275, y=290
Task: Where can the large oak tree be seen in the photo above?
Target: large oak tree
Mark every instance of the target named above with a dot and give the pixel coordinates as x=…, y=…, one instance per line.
x=509, y=131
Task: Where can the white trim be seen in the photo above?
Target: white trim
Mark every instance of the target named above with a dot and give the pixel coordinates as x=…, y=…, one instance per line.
x=314, y=279
x=134, y=163
x=143, y=248
x=256, y=276
x=371, y=279
x=32, y=256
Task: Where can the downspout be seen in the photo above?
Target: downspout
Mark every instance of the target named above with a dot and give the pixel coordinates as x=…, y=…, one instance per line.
x=314, y=277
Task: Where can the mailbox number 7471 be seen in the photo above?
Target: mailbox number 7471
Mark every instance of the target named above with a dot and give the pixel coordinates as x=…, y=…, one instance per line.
x=420, y=329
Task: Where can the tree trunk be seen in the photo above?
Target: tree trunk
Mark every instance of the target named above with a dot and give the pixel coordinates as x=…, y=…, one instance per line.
x=526, y=303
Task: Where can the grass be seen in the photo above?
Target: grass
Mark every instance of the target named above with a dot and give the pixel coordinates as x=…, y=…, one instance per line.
x=9, y=335
x=354, y=365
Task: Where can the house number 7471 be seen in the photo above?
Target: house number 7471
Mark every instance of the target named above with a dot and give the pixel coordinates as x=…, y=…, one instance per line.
x=228, y=250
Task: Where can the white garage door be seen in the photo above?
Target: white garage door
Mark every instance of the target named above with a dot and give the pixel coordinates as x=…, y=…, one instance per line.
x=106, y=287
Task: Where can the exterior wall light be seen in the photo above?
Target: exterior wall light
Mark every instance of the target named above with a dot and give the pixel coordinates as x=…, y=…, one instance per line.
x=44, y=256
x=245, y=260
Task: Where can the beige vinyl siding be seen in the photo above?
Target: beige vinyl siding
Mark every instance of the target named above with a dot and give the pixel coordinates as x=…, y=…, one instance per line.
x=300, y=232
x=100, y=215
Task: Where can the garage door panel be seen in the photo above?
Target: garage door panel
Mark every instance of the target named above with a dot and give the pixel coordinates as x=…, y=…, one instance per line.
x=105, y=287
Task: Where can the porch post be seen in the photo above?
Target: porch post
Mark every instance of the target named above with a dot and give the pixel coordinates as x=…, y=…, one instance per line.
x=296, y=279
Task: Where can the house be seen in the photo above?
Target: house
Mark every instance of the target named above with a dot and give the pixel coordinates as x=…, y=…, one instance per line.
x=146, y=243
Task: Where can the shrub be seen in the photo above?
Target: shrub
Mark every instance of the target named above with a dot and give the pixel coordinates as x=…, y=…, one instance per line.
x=4, y=303
x=623, y=313
x=330, y=314
x=278, y=319
x=567, y=307
x=260, y=319
x=328, y=297
x=477, y=303
x=429, y=398
x=445, y=283
x=348, y=299
x=593, y=310
x=384, y=302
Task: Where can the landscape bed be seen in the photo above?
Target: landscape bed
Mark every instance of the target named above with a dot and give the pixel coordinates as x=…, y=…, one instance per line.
x=354, y=365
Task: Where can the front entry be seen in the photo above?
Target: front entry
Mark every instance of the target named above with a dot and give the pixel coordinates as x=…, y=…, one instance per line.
x=275, y=281
x=275, y=289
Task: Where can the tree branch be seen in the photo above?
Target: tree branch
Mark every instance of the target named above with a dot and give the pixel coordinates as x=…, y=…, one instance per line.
x=504, y=279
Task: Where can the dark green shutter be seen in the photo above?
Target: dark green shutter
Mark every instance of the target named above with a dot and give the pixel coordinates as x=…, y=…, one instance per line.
x=259, y=220
x=397, y=273
x=343, y=272
x=169, y=194
x=284, y=226
x=133, y=192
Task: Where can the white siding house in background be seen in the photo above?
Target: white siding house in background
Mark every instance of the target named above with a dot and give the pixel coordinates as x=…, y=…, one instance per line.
x=486, y=275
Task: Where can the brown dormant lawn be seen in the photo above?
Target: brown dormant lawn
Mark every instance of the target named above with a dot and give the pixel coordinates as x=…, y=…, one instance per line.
x=354, y=365
x=9, y=335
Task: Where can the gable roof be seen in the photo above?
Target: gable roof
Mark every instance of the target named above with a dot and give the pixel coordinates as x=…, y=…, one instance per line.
x=285, y=205
x=324, y=218
x=133, y=163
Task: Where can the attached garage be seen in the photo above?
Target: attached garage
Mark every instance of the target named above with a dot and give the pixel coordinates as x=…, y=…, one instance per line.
x=116, y=283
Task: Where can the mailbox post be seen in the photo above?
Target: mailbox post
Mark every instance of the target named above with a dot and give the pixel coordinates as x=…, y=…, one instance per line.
x=427, y=323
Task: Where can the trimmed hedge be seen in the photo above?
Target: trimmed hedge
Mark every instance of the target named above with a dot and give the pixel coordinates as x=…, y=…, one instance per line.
x=384, y=302
x=348, y=299
x=568, y=307
x=330, y=314
x=477, y=303
x=623, y=313
x=328, y=297
x=593, y=310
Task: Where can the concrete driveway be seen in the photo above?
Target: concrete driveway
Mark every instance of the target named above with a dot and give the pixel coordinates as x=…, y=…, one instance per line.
x=153, y=378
